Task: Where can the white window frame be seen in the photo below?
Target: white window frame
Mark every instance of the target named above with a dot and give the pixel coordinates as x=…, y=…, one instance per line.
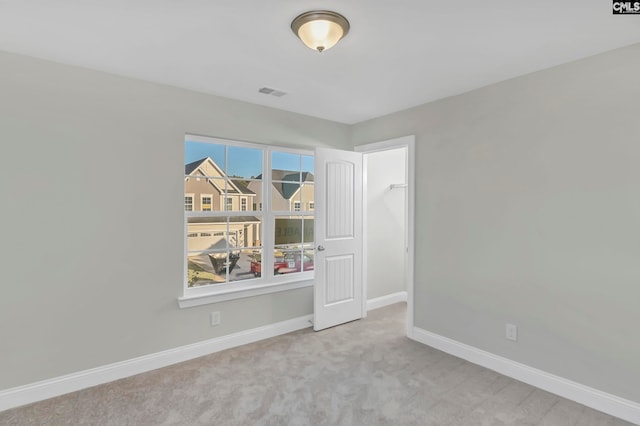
x=297, y=206
x=243, y=204
x=312, y=206
x=202, y=197
x=193, y=205
x=268, y=282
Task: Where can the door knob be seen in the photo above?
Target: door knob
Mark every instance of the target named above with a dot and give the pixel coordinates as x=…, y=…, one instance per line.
x=320, y=248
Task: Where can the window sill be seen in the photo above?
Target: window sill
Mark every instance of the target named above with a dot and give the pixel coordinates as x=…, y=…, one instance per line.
x=218, y=295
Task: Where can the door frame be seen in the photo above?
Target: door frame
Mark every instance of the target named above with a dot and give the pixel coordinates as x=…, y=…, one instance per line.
x=407, y=142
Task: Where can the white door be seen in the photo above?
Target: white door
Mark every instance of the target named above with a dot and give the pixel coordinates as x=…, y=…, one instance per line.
x=338, y=237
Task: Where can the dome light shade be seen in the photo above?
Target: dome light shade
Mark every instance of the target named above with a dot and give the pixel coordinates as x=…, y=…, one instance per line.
x=320, y=29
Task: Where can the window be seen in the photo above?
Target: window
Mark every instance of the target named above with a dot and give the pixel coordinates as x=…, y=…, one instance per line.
x=188, y=202
x=206, y=202
x=292, y=185
x=312, y=206
x=228, y=244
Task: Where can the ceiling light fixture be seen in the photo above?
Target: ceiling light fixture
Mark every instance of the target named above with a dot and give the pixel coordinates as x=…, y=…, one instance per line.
x=320, y=29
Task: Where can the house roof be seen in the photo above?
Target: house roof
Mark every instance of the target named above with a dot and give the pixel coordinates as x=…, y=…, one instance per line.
x=290, y=181
x=238, y=186
x=191, y=167
x=241, y=187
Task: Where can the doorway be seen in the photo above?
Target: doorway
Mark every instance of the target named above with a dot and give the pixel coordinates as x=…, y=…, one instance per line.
x=389, y=224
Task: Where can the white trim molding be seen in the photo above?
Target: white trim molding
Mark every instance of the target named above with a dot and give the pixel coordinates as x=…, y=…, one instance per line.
x=389, y=299
x=594, y=398
x=45, y=389
x=238, y=291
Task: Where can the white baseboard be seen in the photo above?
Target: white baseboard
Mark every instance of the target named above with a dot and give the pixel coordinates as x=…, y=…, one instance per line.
x=45, y=389
x=390, y=299
x=598, y=400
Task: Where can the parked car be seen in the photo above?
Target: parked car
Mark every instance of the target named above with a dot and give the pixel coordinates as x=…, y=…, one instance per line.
x=286, y=263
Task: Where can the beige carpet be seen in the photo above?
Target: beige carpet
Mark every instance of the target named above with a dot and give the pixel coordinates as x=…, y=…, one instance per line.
x=362, y=373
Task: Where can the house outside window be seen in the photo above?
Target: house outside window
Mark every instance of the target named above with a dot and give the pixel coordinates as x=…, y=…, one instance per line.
x=228, y=245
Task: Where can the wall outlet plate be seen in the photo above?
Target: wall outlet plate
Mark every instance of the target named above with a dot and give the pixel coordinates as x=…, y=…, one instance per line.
x=215, y=318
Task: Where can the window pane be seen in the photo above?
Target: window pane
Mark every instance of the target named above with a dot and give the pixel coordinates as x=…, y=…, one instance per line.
x=288, y=230
x=286, y=259
x=285, y=166
x=289, y=259
x=201, y=269
x=308, y=256
x=244, y=163
x=308, y=235
x=240, y=198
x=307, y=196
x=283, y=196
x=308, y=165
x=245, y=264
x=244, y=232
x=205, y=159
x=204, y=192
x=206, y=233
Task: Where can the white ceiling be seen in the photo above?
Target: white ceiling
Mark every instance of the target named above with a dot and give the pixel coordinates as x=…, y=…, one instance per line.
x=398, y=54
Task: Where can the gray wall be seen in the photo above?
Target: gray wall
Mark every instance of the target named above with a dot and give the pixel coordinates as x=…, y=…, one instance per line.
x=386, y=239
x=528, y=211
x=92, y=234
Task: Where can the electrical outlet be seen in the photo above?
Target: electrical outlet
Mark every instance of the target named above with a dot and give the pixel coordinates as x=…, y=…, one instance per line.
x=215, y=318
x=512, y=332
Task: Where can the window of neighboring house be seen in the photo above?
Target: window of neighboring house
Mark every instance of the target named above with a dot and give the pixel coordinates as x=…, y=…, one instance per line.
x=312, y=205
x=188, y=202
x=206, y=202
x=232, y=249
x=296, y=206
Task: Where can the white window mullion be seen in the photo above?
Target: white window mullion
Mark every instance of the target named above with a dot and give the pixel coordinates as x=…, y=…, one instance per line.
x=268, y=218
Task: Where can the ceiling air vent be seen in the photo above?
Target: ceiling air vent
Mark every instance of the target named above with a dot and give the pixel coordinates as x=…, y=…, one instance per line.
x=272, y=92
